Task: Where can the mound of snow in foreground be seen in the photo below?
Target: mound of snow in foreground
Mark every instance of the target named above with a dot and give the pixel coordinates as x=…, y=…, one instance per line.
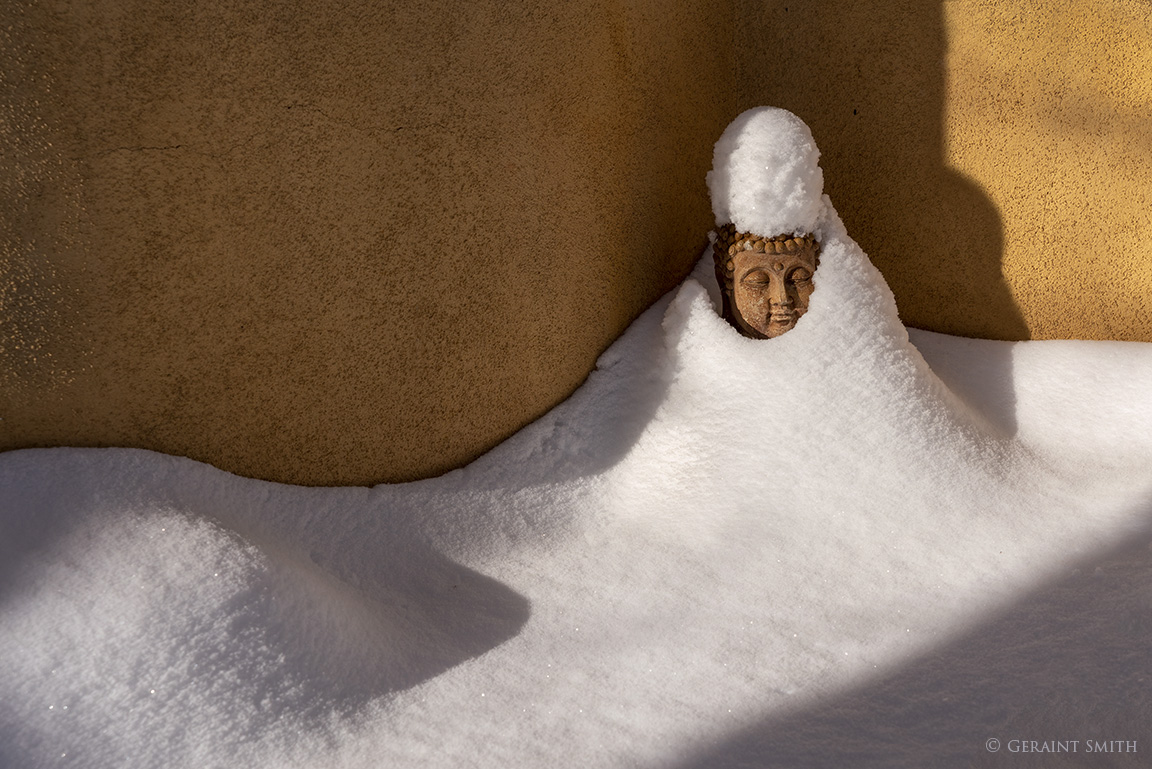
x=808, y=551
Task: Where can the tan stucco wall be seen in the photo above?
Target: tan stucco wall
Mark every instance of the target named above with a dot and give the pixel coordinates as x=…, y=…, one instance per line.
x=339, y=243
x=365, y=243
x=991, y=156
x=1049, y=110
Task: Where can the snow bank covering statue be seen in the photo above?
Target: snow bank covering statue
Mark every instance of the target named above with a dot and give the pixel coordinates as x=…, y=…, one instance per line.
x=720, y=551
x=837, y=390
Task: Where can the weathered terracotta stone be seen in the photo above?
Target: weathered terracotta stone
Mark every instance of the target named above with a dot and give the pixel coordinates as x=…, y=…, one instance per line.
x=765, y=282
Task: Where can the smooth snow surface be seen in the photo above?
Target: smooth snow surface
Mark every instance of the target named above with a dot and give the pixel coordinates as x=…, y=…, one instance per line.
x=814, y=550
x=765, y=178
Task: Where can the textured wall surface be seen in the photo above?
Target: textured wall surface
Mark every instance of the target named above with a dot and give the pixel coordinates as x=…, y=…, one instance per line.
x=1049, y=109
x=991, y=156
x=339, y=243
x=354, y=242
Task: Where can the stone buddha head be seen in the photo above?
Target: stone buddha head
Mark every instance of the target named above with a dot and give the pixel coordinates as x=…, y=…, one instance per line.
x=765, y=282
x=766, y=179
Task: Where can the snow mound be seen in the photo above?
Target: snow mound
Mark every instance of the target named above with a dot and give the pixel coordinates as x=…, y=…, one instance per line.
x=719, y=552
x=765, y=178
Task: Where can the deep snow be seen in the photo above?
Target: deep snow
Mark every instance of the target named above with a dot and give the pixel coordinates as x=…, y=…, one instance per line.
x=840, y=547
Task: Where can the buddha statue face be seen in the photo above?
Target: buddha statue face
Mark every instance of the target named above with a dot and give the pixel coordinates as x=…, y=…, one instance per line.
x=766, y=281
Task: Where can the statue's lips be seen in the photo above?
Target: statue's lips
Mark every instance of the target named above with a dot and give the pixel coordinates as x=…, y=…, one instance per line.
x=783, y=317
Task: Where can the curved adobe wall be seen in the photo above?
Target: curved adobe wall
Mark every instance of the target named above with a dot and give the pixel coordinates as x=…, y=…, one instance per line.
x=339, y=243
x=364, y=242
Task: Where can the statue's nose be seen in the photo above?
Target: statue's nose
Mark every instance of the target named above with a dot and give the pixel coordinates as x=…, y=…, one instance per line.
x=778, y=293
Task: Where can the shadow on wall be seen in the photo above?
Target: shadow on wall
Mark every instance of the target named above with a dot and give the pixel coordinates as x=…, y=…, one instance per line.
x=870, y=80
x=1068, y=662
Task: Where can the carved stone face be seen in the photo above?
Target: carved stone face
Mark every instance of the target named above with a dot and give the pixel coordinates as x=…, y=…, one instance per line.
x=770, y=291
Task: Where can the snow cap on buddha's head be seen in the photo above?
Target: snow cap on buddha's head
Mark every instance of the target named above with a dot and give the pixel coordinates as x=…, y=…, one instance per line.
x=765, y=178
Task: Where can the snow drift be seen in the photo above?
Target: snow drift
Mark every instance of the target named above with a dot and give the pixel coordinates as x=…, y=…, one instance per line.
x=837, y=547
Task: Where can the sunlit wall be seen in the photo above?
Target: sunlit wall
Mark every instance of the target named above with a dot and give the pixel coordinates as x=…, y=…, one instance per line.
x=360, y=242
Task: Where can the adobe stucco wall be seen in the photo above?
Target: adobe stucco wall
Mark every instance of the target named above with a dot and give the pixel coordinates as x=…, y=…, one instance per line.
x=1049, y=110
x=991, y=156
x=339, y=243
x=365, y=243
